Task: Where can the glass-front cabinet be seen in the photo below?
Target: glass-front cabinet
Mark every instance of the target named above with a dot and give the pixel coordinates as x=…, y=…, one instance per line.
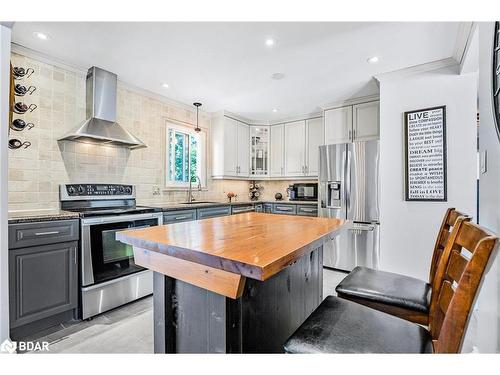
x=259, y=150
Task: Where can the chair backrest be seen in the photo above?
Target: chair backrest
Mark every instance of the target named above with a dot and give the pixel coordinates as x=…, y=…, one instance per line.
x=457, y=280
x=449, y=220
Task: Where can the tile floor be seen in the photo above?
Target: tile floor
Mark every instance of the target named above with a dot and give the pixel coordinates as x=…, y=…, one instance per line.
x=128, y=329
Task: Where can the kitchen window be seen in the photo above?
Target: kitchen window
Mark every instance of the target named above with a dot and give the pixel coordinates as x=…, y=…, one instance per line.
x=186, y=156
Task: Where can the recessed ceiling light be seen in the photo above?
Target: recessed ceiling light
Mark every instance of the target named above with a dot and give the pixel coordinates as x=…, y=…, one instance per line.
x=277, y=76
x=270, y=42
x=275, y=110
x=165, y=85
x=40, y=35
x=372, y=60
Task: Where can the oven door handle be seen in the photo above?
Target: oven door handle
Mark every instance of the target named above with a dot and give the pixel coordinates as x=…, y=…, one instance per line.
x=120, y=218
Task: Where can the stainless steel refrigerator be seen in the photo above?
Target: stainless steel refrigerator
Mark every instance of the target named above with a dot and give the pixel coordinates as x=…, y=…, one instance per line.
x=349, y=189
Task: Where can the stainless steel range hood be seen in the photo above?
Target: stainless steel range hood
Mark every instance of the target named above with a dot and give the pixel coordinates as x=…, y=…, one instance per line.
x=101, y=126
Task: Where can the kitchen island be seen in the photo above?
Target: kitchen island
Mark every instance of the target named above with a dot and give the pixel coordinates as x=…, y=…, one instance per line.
x=234, y=284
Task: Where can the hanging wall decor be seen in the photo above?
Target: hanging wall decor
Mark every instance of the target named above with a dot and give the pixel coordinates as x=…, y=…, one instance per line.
x=425, y=154
x=495, y=85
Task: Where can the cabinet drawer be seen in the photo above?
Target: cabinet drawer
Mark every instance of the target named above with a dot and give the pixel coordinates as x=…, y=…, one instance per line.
x=242, y=209
x=179, y=216
x=307, y=210
x=284, y=209
x=205, y=213
x=41, y=233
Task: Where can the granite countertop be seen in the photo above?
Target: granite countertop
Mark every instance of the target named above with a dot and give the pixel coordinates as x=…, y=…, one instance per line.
x=172, y=206
x=16, y=217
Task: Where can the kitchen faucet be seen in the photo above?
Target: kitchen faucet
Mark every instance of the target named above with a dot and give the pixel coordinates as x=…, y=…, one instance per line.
x=190, y=192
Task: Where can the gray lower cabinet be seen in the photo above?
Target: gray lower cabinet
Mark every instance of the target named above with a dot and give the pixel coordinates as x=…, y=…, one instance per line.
x=267, y=208
x=206, y=213
x=179, y=216
x=43, y=282
x=242, y=208
x=283, y=208
x=259, y=207
x=307, y=210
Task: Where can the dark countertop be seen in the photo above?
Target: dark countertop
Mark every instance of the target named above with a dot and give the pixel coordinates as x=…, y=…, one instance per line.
x=16, y=217
x=171, y=206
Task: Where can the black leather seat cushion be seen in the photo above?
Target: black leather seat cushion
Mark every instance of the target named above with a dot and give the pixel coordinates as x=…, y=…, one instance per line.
x=386, y=287
x=342, y=326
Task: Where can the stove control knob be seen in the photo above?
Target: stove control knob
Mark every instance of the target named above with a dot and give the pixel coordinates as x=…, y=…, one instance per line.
x=81, y=190
x=71, y=190
x=128, y=190
x=122, y=189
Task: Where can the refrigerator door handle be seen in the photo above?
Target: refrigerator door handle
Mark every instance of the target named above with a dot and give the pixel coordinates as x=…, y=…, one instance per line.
x=347, y=183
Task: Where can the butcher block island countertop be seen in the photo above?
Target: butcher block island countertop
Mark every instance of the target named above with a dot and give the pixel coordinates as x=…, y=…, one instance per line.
x=240, y=261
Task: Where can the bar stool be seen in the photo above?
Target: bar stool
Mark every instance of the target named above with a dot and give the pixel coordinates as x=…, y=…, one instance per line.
x=342, y=326
x=398, y=295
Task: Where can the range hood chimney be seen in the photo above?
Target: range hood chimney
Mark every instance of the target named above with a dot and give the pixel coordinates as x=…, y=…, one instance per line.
x=101, y=126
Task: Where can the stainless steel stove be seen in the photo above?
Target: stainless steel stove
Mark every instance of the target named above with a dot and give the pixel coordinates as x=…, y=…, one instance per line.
x=109, y=277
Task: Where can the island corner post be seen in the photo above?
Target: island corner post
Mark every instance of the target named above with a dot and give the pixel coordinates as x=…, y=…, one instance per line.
x=229, y=293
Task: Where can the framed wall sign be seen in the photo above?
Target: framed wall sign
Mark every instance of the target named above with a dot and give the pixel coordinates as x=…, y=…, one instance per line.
x=425, y=154
x=496, y=77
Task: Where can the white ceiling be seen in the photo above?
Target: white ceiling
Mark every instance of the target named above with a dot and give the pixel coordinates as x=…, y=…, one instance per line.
x=228, y=66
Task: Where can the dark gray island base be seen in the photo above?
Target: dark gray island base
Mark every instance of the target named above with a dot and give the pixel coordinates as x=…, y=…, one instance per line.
x=190, y=319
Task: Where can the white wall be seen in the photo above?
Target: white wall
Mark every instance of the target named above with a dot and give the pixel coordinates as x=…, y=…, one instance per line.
x=488, y=314
x=4, y=116
x=408, y=229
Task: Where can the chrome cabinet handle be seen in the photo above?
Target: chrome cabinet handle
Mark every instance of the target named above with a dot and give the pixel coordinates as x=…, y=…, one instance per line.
x=180, y=217
x=284, y=208
x=354, y=134
x=46, y=233
x=74, y=254
x=350, y=135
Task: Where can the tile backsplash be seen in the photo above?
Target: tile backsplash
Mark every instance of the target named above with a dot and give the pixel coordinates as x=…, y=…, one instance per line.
x=35, y=173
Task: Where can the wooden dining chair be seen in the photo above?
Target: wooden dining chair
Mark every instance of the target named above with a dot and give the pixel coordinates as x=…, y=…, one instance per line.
x=342, y=326
x=403, y=296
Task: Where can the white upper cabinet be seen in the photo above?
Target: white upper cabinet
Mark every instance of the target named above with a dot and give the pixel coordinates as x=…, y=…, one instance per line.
x=338, y=125
x=314, y=136
x=295, y=148
x=276, y=161
x=230, y=148
x=243, y=150
x=359, y=122
x=366, y=121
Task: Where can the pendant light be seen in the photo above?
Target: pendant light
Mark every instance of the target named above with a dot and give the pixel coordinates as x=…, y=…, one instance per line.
x=197, y=105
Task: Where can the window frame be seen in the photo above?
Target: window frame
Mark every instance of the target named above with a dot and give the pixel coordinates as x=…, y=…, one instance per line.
x=201, y=138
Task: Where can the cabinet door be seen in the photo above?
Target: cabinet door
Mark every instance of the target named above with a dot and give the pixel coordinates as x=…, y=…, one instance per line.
x=276, y=167
x=243, y=149
x=43, y=282
x=314, y=138
x=366, y=121
x=295, y=135
x=338, y=125
x=230, y=147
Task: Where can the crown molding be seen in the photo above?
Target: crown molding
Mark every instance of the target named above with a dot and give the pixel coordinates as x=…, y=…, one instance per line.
x=7, y=24
x=351, y=101
x=416, y=69
x=464, y=36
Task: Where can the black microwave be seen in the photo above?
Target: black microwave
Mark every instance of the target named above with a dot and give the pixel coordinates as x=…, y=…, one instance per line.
x=304, y=192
